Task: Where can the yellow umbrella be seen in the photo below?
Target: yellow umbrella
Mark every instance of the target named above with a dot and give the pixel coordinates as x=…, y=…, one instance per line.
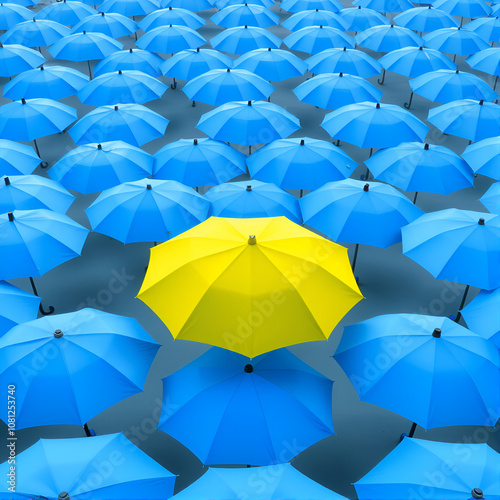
x=250, y=285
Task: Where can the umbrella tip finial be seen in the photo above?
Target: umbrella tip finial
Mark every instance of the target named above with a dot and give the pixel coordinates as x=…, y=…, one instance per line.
x=10, y=215
x=481, y=221
x=84, y=32
x=345, y=49
x=116, y=108
x=302, y=142
x=249, y=103
x=41, y=68
x=341, y=74
x=130, y=50
x=426, y=147
x=149, y=187
x=246, y=26
x=366, y=187
x=63, y=496
x=249, y=188
x=195, y=142
x=436, y=333
x=377, y=106
x=420, y=48
x=7, y=181
x=197, y=49
x=23, y=101
x=228, y=70
x=477, y=493
x=99, y=146
x=269, y=49
x=456, y=71
x=120, y=72
x=252, y=240
x=102, y=14
x=58, y=334
x=320, y=26
x=248, y=368
x=481, y=102
x=170, y=26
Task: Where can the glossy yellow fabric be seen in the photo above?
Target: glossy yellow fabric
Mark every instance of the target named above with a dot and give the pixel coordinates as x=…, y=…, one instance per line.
x=212, y=285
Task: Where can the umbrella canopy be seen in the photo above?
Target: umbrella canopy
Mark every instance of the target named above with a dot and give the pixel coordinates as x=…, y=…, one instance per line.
x=35, y=33
x=131, y=123
x=360, y=18
x=491, y=199
x=487, y=60
x=252, y=199
x=301, y=5
x=51, y=82
x=425, y=19
x=245, y=14
x=147, y=210
x=352, y=211
x=35, y=241
x=467, y=118
x=16, y=306
x=457, y=245
x=220, y=4
x=486, y=27
x=130, y=8
x=464, y=8
x=15, y=59
x=198, y=162
x=172, y=15
x=435, y=360
x=240, y=40
x=95, y=167
x=90, y=367
x=413, y=166
x=241, y=408
x=66, y=468
x=122, y=87
x=456, y=41
x=24, y=3
x=248, y=123
x=30, y=119
x=385, y=5
x=386, y=38
x=193, y=5
x=170, y=39
x=29, y=192
x=350, y=61
x=84, y=47
x=12, y=14
x=300, y=163
x=484, y=157
x=17, y=159
x=220, y=86
x=370, y=125
x=111, y=24
x=407, y=469
x=274, y=65
x=131, y=59
x=66, y=13
x=315, y=18
x=248, y=280
x=314, y=39
x=334, y=90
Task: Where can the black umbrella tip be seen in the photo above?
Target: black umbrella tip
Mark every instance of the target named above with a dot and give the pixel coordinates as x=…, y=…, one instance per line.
x=456, y=71
x=481, y=221
x=58, y=334
x=42, y=68
x=252, y=240
x=228, y=70
x=249, y=188
x=99, y=146
x=345, y=49
x=197, y=49
x=170, y=26
x=249, y=103
x=10, y=215
x=477, y=493
x=426, y=147
x=23, y=101
x=377, y=106
x=84, y=32
x=116, y=108
x=7, y=181
x=481, y=102
x=341, y=74
x=366, y=187
x=34, y=20
x=102, y=14
x=320, y=26
x=436, y=333
x=269, y=49
x=248, y=368
x=302, y=142
x=1, y=44
x=420, y=48
x=149, y=187
x=130, y=50
x=246, y=26
x=120, y=72
x=195, y=142
x=63, y=496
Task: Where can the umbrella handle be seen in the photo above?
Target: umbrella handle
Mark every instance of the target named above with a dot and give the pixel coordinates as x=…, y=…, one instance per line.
x=88, y=432
x=173, y=86
x=381, y=82
x=408, y=104
x=43, y=312
x=193, y=104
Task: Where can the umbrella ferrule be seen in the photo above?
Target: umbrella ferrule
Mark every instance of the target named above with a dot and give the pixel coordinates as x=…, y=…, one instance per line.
x=426, y=147
x=269, y=49
x=481, y=221
x=228, y=70
x=42, y=68
x=249, y=369
x=23, y=101
x=10, y=215
x=345, y=49
x=249, y=103
x=149, y=187
x=436, y=333
x=366, y=187
x=63, y=496
x=302, y=142
x=195, y=142
x=252, y=240
x=7, y=181
x=102, y=14
x=249, y=188
x=99, y=146
x=377, y=106
x=477, y=493
x=116, y=108
x=130, y=51
x=58, y=334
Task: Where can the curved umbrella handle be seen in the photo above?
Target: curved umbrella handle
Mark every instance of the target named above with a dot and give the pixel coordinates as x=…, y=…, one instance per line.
x=383, y=78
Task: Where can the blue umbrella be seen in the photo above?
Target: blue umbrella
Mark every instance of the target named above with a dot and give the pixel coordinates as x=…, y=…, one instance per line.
x=132, y=123
x=67, y=13
x=301, y=5
x=240, y=40
x=274, y=65
x=130, y=8
x=300, y=163
x=131, y=59
x=172, y=15
x=434, y=359
x=16, y=306
x=315, y=39
x=147, y=210
x=491, y=199
x=15, y=59
x=221, y=4
x=457, y=245
x=252, y=199
x=16, y=158
x=12, y=14
x=227, y=484
x=198, y=162
x=36, y=241
x=121, y=87
x=193, y=5
x=487, y=61
x=415, y=463
x=386, y=38
x=248, y=123
x=483, y=157
x=370, y=125
x=360, y=18
x=314, y=18
x=51, y=82
x=111, y=24
x=463, y=8
x=66, y=468
x=25, y=3
x=425, y=19
x=29, y=192
x=350, y=61
x=35, y=33
x=241, y=412
x=385, y=5
x=245, y=14
x=486, y=27
x=220, y=86
x=334, y=90
x=456, y=41
x=170, y=39
x=467, y=118
x=95, y=167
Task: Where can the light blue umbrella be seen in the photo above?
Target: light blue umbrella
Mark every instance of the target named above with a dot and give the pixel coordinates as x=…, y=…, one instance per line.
x=172, y=15
x=301, y=5
x=245, y=14
x=406, y=470
x=131, y=123
x=16, y=306
x=240, y=40
x=221, y=4
x=36, y=241
x=425, y=19
x=434, y=359
x=65, y=468
x=360, y=18
x=111, y=24
x=315, y=39
x=274, y=65
x=131, y=59
x=456, y=245
x=370, y=125
x=122, y=87
x=227, y=484
x=484, y=157
x=193, y=5
x=248, y=123
x=240, y=408
x=29, y=192
x=456, y=41
x=487, y=61
x=300, y=163
x=463, y=8
x=486, y=27
x=467, y=118
x=350, y=61
x=67, y=13
x=198, y=162
x=334, y=90
x=12, y=14
x=386, y=38
x=15, y=59
x=51, y=82
x=130, y=8
x=170, y=39
x=35, y=33
x=16, y=158
x=314, y=18
x=491, y=199
x=385, y=5
x=96, y=167
x=252, y=199
x=25, y=3
x=147, y=210
x=220, y=86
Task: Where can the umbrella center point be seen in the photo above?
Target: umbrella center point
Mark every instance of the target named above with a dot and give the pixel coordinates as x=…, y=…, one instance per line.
x=252, y=240
x=58, y=334
x=63, y=496
x=477, y=493
x=249, y=369
x=436, y=333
